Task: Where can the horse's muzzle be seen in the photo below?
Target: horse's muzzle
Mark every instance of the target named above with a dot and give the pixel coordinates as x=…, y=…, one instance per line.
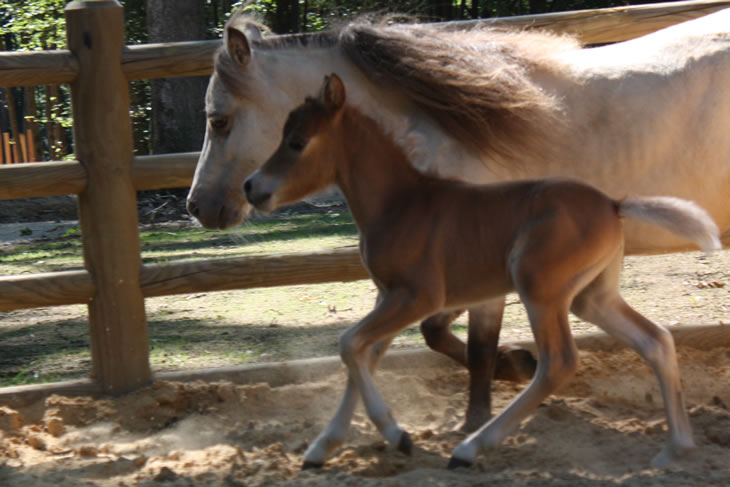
x=214, y=212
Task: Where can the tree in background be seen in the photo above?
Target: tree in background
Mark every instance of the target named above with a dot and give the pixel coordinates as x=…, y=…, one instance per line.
x=177, y=103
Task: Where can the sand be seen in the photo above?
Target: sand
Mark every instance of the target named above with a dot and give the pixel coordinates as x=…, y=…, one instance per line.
x=602, y=429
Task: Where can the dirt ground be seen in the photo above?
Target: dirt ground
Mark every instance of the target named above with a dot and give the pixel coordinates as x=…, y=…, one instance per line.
x=603, y=429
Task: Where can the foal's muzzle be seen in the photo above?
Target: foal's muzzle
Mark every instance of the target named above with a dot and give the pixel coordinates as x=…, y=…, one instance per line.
x=258, y=191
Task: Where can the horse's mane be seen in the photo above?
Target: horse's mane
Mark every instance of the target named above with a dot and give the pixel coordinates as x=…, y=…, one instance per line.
x=476, y=83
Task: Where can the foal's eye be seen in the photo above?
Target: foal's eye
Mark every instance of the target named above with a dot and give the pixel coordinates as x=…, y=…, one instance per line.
x=218, y=124
x=296, y=145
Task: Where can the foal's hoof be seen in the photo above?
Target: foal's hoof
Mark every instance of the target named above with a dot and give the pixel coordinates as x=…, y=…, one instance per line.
x=671, y=454
x=514, y=364
x=458, y=463
x=312, y=465
x=405, y=445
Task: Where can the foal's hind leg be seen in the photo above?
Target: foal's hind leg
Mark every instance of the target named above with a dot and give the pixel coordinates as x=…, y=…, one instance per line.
x=600, y=303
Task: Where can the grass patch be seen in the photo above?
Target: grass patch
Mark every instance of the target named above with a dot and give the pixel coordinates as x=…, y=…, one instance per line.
x=288, y=232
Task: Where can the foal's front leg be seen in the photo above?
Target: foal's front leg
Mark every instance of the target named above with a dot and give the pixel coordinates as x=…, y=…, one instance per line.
x=334, y=433
x=394, y=311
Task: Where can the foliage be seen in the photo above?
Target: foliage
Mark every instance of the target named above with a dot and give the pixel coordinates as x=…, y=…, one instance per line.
x=37, y=24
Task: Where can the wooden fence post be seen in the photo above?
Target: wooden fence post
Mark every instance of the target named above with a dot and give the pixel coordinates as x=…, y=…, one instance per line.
x=108, y=205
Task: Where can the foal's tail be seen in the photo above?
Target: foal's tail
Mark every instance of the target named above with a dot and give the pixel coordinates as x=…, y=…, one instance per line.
x=681, y=217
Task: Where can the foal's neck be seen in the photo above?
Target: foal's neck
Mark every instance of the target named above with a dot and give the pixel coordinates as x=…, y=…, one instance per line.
x=374, y=168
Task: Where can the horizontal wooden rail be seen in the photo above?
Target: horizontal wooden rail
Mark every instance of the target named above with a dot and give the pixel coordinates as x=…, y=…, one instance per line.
x=195, y=58
x=167, y=60
x=68, y=177
x=164, y=171
x=341, y=265
x=31, y=68
x=606, y=25
x=41, y=179
x=76, y=287
x=46, y=289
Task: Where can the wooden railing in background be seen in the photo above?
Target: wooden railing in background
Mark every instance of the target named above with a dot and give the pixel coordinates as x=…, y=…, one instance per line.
x=115, y=283
x=21, y=151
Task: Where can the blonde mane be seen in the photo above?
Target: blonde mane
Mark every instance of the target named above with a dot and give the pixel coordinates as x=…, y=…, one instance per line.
x=476, y=83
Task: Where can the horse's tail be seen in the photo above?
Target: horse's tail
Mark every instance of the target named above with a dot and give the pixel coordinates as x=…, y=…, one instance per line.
x=681, y=217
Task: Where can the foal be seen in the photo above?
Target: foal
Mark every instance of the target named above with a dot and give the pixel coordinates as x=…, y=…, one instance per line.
x=431, y=244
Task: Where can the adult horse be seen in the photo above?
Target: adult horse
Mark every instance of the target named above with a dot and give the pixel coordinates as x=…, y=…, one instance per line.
x=646, y=116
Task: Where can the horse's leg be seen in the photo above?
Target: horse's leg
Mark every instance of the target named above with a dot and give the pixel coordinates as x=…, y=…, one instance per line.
x=601, y=304
x=557, y=360
x=439, y=338
x=394, y=312
x=334, y=433
x=512, y=364
x=481, y=355
x=485, y=322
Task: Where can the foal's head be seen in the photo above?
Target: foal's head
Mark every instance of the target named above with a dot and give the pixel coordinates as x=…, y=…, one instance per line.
x=304, y=162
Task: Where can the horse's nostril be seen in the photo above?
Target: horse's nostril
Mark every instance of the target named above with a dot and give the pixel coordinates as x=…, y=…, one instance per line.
x=193, y=208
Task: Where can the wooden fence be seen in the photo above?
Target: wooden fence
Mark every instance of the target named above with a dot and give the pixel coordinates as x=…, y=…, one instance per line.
x=114, y=282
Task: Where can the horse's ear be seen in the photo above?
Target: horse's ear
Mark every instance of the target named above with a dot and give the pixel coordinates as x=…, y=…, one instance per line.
x=237, y=43
x=253, y=32
x=333, y=92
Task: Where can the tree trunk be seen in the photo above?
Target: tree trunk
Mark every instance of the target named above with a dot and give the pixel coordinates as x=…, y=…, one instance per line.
x=178, y=124
x=538, y=6
x=286, y=17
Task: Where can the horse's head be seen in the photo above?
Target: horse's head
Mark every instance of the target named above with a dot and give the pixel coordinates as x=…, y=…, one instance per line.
x=244, y=120
x=304, y=163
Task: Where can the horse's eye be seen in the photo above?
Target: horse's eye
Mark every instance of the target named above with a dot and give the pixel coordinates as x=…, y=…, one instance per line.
x=219, y=124
x=296, y=145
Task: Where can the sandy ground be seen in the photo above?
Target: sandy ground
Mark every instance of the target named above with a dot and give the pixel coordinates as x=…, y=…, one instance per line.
x=602, y=429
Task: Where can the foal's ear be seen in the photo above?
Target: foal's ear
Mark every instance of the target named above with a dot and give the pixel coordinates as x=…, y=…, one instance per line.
x=237, y=41
x=333, y=92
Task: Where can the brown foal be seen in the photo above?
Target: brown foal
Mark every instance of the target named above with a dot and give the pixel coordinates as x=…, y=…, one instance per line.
x=433, y=245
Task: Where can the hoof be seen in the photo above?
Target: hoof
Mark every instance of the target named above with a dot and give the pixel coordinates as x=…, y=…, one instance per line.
x=312, y=465
x=405, y=445
x=458, y=463
x=671, y=454
x=515, y=364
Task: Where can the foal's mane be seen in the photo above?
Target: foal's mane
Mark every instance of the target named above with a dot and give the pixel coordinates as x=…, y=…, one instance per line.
x=475, y=83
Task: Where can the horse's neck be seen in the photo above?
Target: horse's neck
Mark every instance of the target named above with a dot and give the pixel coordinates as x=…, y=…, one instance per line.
x=373, y=170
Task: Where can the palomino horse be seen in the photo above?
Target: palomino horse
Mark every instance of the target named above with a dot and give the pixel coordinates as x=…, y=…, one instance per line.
x=646, y=116
x=431, y=244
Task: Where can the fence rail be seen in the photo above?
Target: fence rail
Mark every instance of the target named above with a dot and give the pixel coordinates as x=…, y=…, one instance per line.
x=115, y=283
x=69, y=177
